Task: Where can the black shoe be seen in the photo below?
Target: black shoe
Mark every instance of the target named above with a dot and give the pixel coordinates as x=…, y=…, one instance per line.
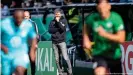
x=70, y=72
x=60, y=73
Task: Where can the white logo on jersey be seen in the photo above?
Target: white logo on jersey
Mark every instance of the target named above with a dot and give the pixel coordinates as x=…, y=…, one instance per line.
x=15, y=41
x=109, y=25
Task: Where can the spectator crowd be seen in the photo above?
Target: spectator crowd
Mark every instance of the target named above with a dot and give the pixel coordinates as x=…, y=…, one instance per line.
x=41, y=3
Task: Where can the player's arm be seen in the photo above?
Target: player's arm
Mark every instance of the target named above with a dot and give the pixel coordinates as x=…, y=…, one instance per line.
x=33, y=38
x=86, y=40
x=118, y=26
x=118, y=37
x=4, y=48
x=33, y=49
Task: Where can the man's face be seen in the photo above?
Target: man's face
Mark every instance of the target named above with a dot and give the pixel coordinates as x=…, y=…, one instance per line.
x=58, y=14
x=18, y=17
x=26, y=15
x=103, y=8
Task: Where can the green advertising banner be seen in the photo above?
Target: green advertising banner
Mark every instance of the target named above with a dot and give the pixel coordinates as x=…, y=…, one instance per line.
x=45, y=61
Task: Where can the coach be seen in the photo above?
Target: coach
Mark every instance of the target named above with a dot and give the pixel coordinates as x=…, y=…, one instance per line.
x=57, y=29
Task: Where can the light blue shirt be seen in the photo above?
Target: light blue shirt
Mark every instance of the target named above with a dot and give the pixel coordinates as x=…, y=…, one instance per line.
x=15, y=37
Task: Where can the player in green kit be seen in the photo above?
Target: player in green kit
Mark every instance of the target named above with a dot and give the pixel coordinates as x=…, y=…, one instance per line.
x=108, y=32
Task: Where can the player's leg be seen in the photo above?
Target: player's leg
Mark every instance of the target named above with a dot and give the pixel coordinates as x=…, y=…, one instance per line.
x=63, y=49
x=20, y=70
x=56, y=53
x=100, y=70
x=102, y=67
x=21, y=63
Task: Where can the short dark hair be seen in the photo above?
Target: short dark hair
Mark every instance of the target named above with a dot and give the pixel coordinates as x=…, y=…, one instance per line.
x=58, y=10
x=99, y=1
x=18, y=10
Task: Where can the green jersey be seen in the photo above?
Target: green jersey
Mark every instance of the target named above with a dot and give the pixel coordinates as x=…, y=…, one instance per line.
x=103, y=46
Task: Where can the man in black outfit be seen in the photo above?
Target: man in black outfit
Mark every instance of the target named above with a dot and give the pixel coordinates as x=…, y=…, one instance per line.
x=57, y=29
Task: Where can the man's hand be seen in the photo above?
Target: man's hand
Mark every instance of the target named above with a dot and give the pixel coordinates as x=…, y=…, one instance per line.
x=4, y=48
x=33, y=50
x=101, y=31
x=87, y=45
x=57, y=19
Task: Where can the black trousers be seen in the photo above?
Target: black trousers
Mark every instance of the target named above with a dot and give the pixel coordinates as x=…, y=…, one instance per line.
x=113, y=65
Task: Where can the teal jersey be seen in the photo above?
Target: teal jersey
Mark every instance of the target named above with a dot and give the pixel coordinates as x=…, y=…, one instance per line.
x=15, y=37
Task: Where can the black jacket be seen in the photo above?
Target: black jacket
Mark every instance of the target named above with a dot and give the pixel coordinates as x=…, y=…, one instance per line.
x=58, y=30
